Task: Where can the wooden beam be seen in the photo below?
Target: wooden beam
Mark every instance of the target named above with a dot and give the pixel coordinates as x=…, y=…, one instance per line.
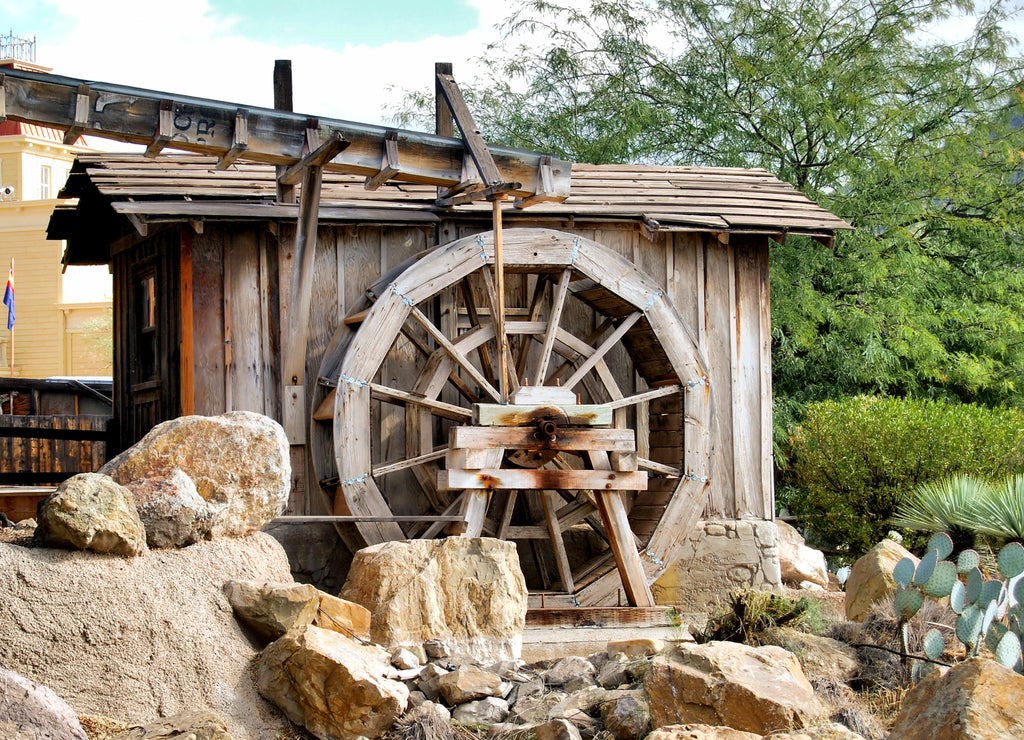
x=411, y=462
x=620, y=537
x=645, y=396
x=523, y=438
x=488, y=414
x=276, y=137
x=549, y=500
x=472, y=195
x=602, y=350
x=389, y=166
x=3, y=100
x=504, y=479
x=470, y=133
x=460, y=359
x=554, y=318
x=316, y=158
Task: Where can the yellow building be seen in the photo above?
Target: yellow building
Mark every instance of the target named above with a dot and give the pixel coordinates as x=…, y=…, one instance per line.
x=63, y=321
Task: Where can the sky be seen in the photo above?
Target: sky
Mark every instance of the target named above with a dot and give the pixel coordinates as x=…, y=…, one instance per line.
x=351, y=59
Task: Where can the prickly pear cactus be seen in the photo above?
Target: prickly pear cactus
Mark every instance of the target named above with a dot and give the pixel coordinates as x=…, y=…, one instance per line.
x=989, y=612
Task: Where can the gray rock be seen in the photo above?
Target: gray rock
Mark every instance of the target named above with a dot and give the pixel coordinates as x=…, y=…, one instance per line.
x=172, y=511
x=428, y=711
x=416, y=698
x=626, y=717
x=613, y=674
x=486, y=711
x=535, y=709
x=523, y=689
x=573, y=669
x=437, y=649
x=90, y=511
x=29, y=711
x=428, y=680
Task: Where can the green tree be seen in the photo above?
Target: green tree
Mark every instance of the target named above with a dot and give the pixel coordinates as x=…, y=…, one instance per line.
x=911, y=138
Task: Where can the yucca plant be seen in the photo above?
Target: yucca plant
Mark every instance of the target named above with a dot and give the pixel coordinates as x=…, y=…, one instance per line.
x=949, y=505
x=1000, y=514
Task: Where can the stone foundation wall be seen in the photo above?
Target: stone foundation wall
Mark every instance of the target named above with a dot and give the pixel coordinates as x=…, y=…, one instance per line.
x=719, y=557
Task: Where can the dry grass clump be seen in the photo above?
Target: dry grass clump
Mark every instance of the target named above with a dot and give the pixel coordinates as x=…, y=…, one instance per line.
x=429, y=726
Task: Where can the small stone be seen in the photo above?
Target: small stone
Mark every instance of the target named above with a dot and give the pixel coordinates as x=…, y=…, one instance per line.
x=428, y=680
x=698, y=731
x=571, y=668
x=428, y=711
x=626, y=717
x=534, y=709
x=638, y=647
x=416, y=698
x=612, y=675
x=558, y=729
x=523, y=689
x=437, y=649
x=404, y=659
x=486, y=711
x=468, y=684
x=201, y=725
x=30, y=710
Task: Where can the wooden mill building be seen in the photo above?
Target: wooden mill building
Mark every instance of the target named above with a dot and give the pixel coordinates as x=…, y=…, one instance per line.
x=200, y=258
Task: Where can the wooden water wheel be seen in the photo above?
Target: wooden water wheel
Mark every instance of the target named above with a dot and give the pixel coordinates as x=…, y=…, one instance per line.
x=412, y=434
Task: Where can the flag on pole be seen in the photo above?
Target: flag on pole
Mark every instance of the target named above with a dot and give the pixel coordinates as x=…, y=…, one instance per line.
x=9, y=297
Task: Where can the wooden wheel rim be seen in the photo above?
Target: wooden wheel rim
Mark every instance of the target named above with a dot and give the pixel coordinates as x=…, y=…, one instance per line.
x=353, y=361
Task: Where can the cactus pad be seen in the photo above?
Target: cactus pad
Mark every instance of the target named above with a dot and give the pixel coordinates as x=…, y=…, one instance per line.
x=968, y=561
x=990, y=592
x=990, y=615
x=933, y=644
x=974, y=583
x=1011, y=560
x=942, y=544
x=903, y=573
x=1008, y=650
x=906, y=602
x=942, y=580
x=968, y=625
x=957, y=597
x=926, y=567
x=994, y=635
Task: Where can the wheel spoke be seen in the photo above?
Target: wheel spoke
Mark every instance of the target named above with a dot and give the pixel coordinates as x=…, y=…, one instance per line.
x=554, y=319
x=396, y=465
x=460, y=359
x=645, y=396
x=474, y=321
x=605, y=347
x=438, y=408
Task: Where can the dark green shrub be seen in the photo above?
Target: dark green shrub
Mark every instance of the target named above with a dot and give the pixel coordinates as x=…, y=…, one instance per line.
x=853, y=461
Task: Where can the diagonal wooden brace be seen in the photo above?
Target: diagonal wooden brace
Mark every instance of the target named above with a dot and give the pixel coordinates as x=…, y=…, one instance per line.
x=324, y=153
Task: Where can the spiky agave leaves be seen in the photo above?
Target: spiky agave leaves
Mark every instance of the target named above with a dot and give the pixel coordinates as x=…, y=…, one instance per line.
x=942, y=505
x=1001, y=512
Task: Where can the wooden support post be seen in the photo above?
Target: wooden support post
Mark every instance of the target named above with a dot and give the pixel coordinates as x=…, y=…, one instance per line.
x=164, y=129
x=239, y=140
x=620, y=537
x=283, y=101
x=550, y=501
x=499, y=285
x=389, y=165
x=81, y=116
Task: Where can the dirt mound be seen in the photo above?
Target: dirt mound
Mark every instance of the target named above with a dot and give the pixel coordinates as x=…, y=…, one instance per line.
x=139, y=638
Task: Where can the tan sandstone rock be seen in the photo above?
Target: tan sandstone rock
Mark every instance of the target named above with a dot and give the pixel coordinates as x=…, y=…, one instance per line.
x=637, y=647
x=171, y=509
x=976, y=700
x=331, y=685
x=90, y=511
x=468, y=684
x=757, y=690
x=342, y=616
x=239, y=463
x=468, y=592
x=827, y=731
x=699, y=731
x=797, y=561
x=871, y=579
x=199, y=725
x=271, y=609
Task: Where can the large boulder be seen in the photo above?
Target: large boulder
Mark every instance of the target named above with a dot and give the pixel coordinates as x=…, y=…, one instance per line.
x=139, y=638
x=797, y=561
x=331, y=685
x=468, y=592
x=976, y=700
x=758, y=690
x=239, y=463
x=29, y=711
x=91, y=512
x=871, y=578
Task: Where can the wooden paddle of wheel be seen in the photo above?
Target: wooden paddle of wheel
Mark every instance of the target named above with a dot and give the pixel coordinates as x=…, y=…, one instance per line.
x=414, y=433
